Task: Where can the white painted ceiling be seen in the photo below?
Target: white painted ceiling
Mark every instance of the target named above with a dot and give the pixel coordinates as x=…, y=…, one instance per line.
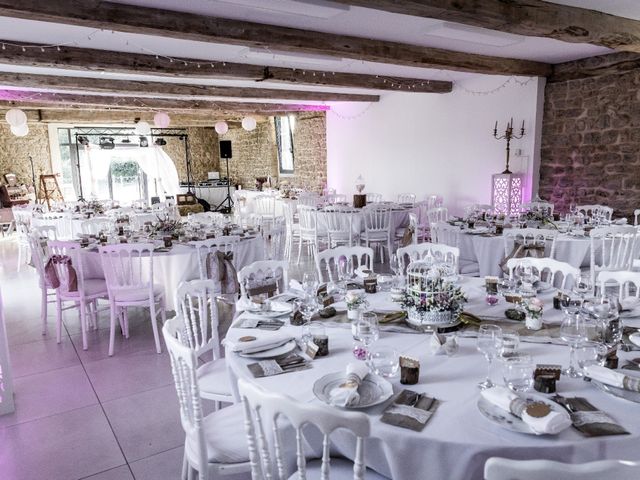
x=316, y=15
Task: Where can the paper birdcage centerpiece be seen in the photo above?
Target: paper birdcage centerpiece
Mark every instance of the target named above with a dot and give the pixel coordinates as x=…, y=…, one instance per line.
x=431, y=301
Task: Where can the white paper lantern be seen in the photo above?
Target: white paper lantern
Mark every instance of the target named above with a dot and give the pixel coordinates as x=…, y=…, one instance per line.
x=161, y=120
x=249, y=123
x=143, y=128
x=20, y=130
x=16, y=117
x=222, y=128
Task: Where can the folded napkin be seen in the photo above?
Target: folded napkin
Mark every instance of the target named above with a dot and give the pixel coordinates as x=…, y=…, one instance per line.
x=612, y=377
x=252, y=344
x=346, y=394
x=551, y=423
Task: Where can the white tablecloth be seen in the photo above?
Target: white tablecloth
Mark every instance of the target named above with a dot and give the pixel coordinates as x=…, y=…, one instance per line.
x=178, y=265
x=488, y=252
x=399, y=219
x=458, y=439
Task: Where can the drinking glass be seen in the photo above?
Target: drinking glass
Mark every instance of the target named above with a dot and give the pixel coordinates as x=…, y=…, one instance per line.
x=573, y=331
x=590, y=353
x=583, y=286
x=383, y=361
x=510, y=344
x=518, y=373
x=396, y=267
x=490, y=345
x=571, y=303
x=366, y=329
x=310, y=283
x=308, y=307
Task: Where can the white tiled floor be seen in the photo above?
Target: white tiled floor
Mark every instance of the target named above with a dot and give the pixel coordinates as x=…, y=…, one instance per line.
x=81, y=414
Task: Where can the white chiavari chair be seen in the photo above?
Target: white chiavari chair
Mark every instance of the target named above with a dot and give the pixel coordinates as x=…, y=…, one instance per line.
x=622, y=280
x=413, y=228
x=445, y=234
x=612, y=248
x=377, y=228
x=267, y=410
x=214, y=444
x=438, y=214
x=275, y=242
x=84, y=294
x=264, y=271
x=333, y=198
x=38, y=250
x=406, y=198
x=265, y=206
x=420, y=251
x=549, y=270
x=93, y=226
x=308, y=228
x=530, y=237
x=328, y=260
x=292, y=228
x=340, y=227
x=595, y=210
x=497, y=468
x=308, y=199
x=128, y=270
x=373, y=198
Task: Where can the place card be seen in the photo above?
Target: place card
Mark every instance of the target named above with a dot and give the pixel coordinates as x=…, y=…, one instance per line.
x=410, y=410
x=588, y=420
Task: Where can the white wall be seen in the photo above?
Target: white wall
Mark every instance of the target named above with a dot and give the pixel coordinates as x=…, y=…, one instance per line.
x=430, y=143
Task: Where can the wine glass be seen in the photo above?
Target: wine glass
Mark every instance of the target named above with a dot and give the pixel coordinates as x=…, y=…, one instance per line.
x=310, y=283
x=396, y=265
x=573, y=331
x=308, y=307
x=366, y=329
x=571, y=303
x=490, y=345
x=583, y=286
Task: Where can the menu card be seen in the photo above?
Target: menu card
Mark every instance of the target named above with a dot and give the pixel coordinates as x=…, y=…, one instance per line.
x=411, y=410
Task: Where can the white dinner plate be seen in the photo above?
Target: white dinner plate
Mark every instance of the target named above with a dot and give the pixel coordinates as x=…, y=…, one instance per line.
x=272, y=352
x=635, y=338
x=373, y=390
x=508, y=421
x=277, y=309
x=620, y=392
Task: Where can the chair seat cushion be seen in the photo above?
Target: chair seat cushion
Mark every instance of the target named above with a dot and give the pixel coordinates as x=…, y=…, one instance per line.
x=138, y=294
x=92, y=287
x=224, y=435
x=341, y=469
x=213, y=378
x=376, y=236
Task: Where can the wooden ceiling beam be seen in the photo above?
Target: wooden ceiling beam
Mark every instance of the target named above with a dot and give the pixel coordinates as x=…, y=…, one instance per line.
x=534, y=18
x=130, y=87
x=45, y=100
x=87, y=59
x=612, y=64
x=187, y=26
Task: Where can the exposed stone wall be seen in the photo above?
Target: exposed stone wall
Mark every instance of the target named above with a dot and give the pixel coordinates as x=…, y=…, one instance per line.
x=203, y=149
x=15, y=151
x=591, y=143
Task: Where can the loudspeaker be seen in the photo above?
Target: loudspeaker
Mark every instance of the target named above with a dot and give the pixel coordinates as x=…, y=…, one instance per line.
x=225, y=149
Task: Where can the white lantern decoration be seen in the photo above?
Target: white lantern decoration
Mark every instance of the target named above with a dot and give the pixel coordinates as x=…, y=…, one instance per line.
x=16, y=117
x=161, y=120
x=21, y=130
x=143, y=128
x=222, y=128
x=249, y=123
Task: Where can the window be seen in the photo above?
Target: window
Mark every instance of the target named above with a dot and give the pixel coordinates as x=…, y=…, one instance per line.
x=284, y=140
x=68, y=178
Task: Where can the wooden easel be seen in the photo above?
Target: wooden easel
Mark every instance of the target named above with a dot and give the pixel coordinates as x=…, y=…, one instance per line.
x=49, y=190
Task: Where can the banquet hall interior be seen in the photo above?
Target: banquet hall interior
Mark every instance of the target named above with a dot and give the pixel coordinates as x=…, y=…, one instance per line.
x=256, y=239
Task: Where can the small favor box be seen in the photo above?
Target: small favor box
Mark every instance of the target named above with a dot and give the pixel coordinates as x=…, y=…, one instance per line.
x=371, y=284
x=409, y=370
x=359, y=200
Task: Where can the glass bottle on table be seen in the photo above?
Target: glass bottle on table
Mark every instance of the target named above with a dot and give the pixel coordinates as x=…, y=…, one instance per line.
x=490, y=345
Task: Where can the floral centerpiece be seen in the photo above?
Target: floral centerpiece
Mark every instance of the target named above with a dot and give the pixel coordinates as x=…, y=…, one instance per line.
x=96, y=206
x=533, y=309
x=166, y=226
x=354, y=300
x=430, y=298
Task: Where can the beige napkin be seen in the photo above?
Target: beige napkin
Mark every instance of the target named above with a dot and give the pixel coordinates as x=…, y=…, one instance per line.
x=253, y=344
x=503, y=398
x=346, y=394
x=613, y=378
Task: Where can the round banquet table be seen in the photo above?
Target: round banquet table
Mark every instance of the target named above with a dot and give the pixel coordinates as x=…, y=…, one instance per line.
x=399, y=219
x=488, y=251
x=179, y=264
x=458, y=439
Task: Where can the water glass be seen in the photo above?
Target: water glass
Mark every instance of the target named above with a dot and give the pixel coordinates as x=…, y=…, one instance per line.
x=590, y=353
x=310, y=283
x=366, y=329
x=510, y=344
x=583, y=285
x=518, y=373
x=490, y=345
x=383, y=361
x=571, y=303
x=573, y=331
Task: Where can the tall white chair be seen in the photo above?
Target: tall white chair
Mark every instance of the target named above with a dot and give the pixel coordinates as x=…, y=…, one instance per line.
x=214, y=444
x=88, y=291
x=444, y=234
x=553, y=268
x=420, y=251
x=270, y=410
x=47, y=292
x=308, y=228
x=292, y=227
x=438, y=214
x=530, y=237
x=612, y=248
x=336, y=198
x=275, y=243
x=196, y=305
x=47, y=231
x=93, y=226
x=433, y=201
x=595, y=210
x=622, y=280
x=329, y=259
x=128, y=270
x=308, y=199
x=424, y=231
x=377, y=228
x=264, y=271
x=340, y=227
x=505, y=469
x=373, y=198
x=265, y=206
x=406, y=198
x=413, y=226
x=547, y=207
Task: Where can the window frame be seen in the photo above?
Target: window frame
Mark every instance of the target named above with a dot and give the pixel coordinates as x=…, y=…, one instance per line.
x=278, y=129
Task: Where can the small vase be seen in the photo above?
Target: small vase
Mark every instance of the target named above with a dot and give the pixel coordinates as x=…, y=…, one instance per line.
x=353, y=313
x=533, y=323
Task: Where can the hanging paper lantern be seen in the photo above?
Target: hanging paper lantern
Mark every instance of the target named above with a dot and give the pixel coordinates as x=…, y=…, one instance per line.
x=161, y=120
x=249, y=123
x=143, y=128
x=16, y=117
x=20, y=130
x=222, y=128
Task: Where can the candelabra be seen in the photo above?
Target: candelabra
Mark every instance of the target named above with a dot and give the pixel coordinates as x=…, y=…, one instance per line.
x=508, y=136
